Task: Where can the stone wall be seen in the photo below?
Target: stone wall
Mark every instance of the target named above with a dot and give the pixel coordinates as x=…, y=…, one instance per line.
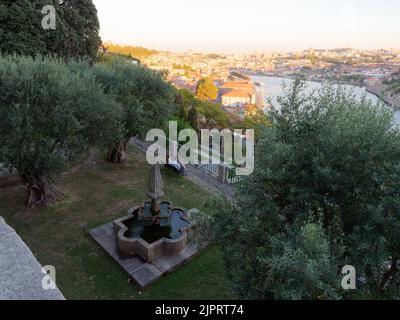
x=21, y=274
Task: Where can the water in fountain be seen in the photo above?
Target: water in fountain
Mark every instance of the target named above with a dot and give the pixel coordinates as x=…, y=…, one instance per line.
x=154, y=220
x=152, y=231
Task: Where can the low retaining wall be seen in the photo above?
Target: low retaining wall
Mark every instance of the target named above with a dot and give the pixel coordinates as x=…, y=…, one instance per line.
x=21, y=275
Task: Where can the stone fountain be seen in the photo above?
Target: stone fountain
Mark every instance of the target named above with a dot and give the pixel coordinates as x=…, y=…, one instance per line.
x=154, y=228
x=152, y=239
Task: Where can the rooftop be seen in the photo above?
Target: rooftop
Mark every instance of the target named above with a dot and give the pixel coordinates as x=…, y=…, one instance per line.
x=237, y=94
x=238, y=85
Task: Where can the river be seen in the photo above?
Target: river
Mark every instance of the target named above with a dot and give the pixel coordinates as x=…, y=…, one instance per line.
x=273, y=89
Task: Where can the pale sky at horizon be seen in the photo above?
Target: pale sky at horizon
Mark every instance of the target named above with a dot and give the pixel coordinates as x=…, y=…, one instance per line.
x=250, y=25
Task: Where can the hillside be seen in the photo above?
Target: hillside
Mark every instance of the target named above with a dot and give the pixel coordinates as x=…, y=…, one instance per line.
x=136, y=52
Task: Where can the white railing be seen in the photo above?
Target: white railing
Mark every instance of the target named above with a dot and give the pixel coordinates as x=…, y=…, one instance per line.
x=227, y=174
x=212, y=169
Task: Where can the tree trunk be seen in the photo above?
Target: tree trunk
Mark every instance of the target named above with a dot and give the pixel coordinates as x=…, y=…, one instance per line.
x=117, y=154
x=41, y=192
x=389, y=274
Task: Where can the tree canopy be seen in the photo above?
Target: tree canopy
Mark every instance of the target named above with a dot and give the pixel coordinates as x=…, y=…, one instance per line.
x=209, y=114
x=49, y=117
x=193, y=118
x=147, y=101
x=76, y=34
x=206, y=89
x=324, y=194
x=256, y=121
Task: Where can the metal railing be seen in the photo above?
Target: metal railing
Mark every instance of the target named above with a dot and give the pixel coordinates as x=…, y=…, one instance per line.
x=232, y=177
x=223, y=172
x=212, y=169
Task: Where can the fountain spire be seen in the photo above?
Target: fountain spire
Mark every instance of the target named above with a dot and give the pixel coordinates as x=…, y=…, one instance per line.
x=156, y=187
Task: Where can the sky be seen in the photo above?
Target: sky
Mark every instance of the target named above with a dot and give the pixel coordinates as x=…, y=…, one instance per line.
x=237, y=26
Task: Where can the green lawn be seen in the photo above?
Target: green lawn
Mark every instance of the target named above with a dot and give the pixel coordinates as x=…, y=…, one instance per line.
x=95, y=195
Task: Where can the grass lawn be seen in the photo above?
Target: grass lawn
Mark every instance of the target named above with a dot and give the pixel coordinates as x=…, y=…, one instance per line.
x=95, y=195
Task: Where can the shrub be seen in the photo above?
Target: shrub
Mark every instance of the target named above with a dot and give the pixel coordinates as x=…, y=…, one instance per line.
x=335, y=159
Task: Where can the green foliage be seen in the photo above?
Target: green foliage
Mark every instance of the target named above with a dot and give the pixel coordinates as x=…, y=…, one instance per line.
x=393, y=86
x=213, y=115
x=193, y=118
x=182, y=124
x=257, y=121
x=209, y=114
x=76, y=34
x=300, y=264
x=202, y=232
x=147, y=100
x=49, y=116
x=206, y=89
x=20, y=27
x=184, y=100
x=324, y=194
x=111, y=59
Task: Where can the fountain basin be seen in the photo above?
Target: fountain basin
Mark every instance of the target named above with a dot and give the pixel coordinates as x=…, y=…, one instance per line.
x=137, y=233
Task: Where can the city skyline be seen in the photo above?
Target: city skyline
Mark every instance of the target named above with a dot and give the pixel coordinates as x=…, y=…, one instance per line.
x=254, y=25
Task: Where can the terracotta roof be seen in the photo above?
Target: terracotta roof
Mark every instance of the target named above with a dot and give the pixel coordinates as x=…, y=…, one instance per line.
x=237, y=93
x=238, y=85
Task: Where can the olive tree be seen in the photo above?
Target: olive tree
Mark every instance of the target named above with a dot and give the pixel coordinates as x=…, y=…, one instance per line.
x=147, y=102
x=49, y=116
x=324, y=194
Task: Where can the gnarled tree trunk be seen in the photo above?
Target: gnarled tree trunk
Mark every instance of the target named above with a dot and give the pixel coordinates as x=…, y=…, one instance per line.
x=389, y=274
x=117, y=154
x=41, y=192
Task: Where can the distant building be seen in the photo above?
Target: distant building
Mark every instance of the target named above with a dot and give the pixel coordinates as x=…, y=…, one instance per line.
x=238, y=85
x=237, y=98
x=237, y=93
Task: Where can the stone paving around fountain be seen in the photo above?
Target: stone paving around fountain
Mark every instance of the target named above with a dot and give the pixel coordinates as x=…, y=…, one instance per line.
x=123, y=239
x=140, y=271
